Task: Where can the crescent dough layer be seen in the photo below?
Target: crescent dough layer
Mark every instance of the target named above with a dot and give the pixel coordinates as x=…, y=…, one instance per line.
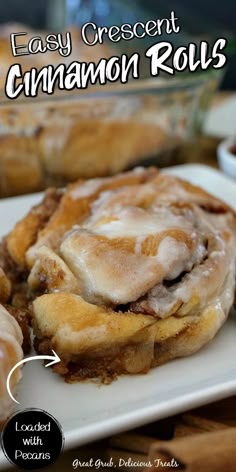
x=94, y=342
x=127, y=272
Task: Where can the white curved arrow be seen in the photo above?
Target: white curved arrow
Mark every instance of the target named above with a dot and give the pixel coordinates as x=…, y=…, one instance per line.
x=54, y=360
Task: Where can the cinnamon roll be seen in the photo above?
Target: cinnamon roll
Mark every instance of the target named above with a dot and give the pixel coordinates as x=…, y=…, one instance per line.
x=10, y=354
x=129, y=272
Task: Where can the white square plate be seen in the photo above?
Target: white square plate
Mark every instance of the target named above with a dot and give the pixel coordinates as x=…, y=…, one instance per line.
x=88, y=412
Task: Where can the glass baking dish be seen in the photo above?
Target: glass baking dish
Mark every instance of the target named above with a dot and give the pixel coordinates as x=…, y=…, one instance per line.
x=49, y=141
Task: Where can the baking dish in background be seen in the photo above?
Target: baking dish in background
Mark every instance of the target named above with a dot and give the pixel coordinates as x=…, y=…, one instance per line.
x=51, y=142
x=101, y=130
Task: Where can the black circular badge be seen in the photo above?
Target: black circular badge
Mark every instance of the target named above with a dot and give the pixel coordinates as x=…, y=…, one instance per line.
x=32, y=439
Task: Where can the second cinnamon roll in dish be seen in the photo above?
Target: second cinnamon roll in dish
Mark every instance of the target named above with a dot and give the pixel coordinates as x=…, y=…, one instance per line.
x=128, y=272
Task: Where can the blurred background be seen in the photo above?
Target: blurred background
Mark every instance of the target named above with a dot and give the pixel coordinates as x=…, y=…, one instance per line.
x=197, y=16
x=166, y=120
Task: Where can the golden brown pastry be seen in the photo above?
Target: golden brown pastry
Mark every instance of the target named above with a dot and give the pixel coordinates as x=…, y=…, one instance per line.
x=50, y=143
x=128, y=272
x=10, y=354
x=45, y=145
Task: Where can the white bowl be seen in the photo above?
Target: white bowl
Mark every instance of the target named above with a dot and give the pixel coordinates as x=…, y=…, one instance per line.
x=226, y=159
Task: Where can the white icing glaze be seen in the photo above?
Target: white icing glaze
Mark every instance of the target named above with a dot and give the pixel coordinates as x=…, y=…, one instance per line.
x=55, y=141
x=133, y=222
x=112, y=274
x=137, y=242
x=173, y=256
x=107, y=274
x=86, y=189
x=161, y=301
